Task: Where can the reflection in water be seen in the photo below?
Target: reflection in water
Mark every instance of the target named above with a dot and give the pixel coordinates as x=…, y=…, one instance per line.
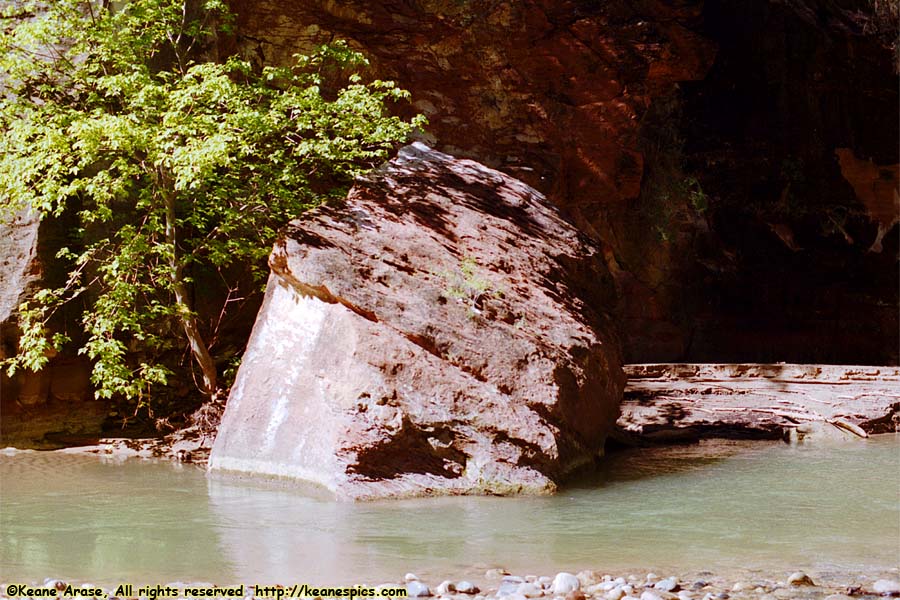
x=86, y=519
x=723, y=506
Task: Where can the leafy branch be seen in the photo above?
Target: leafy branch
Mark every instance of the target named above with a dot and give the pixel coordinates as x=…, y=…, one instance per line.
x=175, y=167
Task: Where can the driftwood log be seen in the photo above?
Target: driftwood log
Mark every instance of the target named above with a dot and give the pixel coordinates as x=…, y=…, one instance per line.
x=672, y=402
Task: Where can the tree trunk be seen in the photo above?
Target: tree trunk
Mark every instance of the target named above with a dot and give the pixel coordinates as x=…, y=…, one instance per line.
x=188, y=320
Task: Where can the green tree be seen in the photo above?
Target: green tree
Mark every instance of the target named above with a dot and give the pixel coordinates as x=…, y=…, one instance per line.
x=173, y=163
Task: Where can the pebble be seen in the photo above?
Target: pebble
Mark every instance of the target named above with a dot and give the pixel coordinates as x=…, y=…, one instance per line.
x=615, y=594
x=416, y=589
x=800, y=578
x=592, y=585
x=445, y=587
x=699, y=584
x=886, y=587
x=669, y=584
x=466, y=587
x=564, y=583
x=530, y=590
x=509, y=585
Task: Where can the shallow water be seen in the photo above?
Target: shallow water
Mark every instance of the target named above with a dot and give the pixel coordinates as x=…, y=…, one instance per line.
x=719, y=506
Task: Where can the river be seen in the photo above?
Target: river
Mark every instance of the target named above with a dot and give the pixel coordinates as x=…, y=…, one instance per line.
x=718, y=506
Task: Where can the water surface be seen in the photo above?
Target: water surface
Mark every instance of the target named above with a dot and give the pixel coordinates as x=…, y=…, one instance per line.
x=718, y=506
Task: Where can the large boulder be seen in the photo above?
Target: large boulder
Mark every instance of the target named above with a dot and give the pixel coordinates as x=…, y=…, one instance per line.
x=441, y=332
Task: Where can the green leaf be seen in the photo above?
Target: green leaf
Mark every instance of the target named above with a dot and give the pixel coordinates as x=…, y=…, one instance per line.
x=177, y=169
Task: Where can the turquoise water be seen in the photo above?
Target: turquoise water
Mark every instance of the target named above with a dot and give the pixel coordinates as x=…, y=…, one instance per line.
x=717, y=506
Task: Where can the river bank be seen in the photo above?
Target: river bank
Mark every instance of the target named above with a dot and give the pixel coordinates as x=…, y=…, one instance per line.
x=666, y=404
x=663, y=403
x=592, y=585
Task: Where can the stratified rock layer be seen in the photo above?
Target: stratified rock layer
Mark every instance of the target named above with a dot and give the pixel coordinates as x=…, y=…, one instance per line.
x=668, y=402
x=437, y=333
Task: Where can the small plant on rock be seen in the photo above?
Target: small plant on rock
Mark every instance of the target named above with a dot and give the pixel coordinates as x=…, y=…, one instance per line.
x=468, y=287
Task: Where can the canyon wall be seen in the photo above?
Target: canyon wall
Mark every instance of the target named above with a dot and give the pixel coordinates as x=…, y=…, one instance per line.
x=695, y=141
x=736, y=161
x=53, y=407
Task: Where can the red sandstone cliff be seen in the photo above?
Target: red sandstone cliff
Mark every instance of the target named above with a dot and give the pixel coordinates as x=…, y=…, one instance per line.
x=694, y=140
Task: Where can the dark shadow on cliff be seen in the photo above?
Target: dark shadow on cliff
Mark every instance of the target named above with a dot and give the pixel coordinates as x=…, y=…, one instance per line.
x=791, y=83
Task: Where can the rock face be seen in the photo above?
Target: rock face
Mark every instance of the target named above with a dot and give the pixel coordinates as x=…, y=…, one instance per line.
x=54, y=406
x=694, y=140
x=777, y=132
x=550, y=91
x=439, y=333
x=671, y=402
x=20, y=269
x=876, y=189
x=555, y=93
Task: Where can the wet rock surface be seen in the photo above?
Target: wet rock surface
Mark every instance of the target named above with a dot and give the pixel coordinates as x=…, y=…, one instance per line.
x=442, y=331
